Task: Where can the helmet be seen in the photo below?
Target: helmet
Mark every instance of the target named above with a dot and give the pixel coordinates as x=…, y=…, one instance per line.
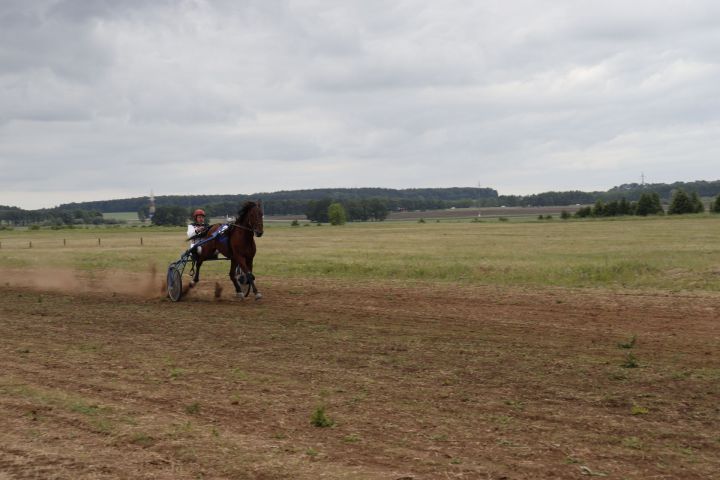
x=197, y=212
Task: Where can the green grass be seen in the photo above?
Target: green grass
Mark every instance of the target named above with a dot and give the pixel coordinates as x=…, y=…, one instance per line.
x=667, y=253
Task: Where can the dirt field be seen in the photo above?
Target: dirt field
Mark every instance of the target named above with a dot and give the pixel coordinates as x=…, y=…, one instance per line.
x=420, y=382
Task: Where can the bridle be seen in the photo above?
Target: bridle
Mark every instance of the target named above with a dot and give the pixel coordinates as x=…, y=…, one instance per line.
x=243, y=227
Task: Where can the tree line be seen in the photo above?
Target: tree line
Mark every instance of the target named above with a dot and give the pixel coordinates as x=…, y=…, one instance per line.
x=53, y=217
x=649, y=204
x=359, y=204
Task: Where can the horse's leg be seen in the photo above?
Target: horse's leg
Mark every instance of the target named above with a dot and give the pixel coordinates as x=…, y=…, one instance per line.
x=257, y=294
x=196, y=276
x=233, y=278
x=240, y=261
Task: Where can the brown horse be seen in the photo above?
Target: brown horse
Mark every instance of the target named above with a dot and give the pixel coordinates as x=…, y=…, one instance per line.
x=237, y=243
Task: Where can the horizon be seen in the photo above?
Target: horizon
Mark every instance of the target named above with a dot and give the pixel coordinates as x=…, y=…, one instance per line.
x=500, y=194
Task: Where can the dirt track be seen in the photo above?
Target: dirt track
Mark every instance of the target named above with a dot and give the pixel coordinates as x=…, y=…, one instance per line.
x=421, y=382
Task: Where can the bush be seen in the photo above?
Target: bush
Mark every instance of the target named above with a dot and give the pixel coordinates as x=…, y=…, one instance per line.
x=319, y=419
x=716, y=205
x=564, y=215
x=584, y=212
x=295, y=223
x=336, y=214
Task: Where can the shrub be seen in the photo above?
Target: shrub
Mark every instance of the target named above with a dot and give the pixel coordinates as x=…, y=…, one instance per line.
x=564, y=215
x=336, y=214
x=716, y=205
x=295, y=223
x=584, y=212
x=320, y=419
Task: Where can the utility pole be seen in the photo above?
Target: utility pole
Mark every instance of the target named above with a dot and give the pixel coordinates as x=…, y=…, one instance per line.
x=642, y=179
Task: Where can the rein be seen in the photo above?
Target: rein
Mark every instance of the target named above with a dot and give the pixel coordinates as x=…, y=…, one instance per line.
x=243, y=227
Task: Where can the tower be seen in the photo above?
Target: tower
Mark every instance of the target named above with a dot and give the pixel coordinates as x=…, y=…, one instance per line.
x=151, y=207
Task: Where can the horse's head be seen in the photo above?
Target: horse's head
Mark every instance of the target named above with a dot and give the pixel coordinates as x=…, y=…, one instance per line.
x=251, y=216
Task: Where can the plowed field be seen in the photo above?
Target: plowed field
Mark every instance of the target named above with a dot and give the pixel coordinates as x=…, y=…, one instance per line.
x=419, y=381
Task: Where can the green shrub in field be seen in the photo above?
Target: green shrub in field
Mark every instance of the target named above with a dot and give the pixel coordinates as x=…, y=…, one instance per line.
x=564, y=215
x=295, y=223
x=422, y=220
x=630, y=361
x=336, y=214
x=320, y=419
x=503, y=219
x=584, y=212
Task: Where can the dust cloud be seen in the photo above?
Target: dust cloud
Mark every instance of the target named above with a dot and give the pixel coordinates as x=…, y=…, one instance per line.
x=147, y=284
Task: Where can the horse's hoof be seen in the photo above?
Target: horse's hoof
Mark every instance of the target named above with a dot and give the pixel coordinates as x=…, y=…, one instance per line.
x=191, y=284
x=239, y=296
x=258, y=296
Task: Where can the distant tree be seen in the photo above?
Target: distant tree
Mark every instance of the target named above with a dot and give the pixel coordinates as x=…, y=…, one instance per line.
x=680, y=203
x=584, y=212
x=649, y=204
x=336, y=214
x=317, y=210
x=623, y=207
x=697, y=204
x=377, y=209
x=716, y=205
x=172, y=215
x=564, y=215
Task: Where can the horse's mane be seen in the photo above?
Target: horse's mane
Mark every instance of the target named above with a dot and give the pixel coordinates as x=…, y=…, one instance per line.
x=242, y=213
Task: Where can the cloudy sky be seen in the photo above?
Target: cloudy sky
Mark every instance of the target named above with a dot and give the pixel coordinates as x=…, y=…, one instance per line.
x=105, y=99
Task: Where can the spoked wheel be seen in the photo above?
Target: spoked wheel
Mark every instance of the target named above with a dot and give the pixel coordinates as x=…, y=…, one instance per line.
x=174, y=282
x=244, y=281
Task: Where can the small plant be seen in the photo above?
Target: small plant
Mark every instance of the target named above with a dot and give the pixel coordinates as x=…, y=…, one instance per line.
x=422, y=220
x=540, y=217
x=639, y=410
x=629, y=344
x=351, y=439
x=630, y=361
x=320, y=419
x=311, y=452
x=632, y=442
x=193, y=408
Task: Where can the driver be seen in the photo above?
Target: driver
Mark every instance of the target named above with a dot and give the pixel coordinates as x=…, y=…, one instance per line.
x=197, y=228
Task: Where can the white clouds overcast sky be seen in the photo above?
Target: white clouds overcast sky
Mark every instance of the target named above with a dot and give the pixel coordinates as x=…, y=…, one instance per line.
x=110, y=99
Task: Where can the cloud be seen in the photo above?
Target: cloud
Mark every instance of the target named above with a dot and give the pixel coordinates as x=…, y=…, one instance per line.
x=108, y=99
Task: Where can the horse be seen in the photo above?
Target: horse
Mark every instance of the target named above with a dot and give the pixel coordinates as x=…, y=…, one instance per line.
x=235, y=241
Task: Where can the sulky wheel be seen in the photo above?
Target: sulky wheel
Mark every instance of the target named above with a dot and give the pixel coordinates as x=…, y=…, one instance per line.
x=174, y=283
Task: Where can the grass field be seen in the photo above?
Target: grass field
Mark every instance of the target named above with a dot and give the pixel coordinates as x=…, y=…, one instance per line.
x=395, y=350
x=670, y=253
